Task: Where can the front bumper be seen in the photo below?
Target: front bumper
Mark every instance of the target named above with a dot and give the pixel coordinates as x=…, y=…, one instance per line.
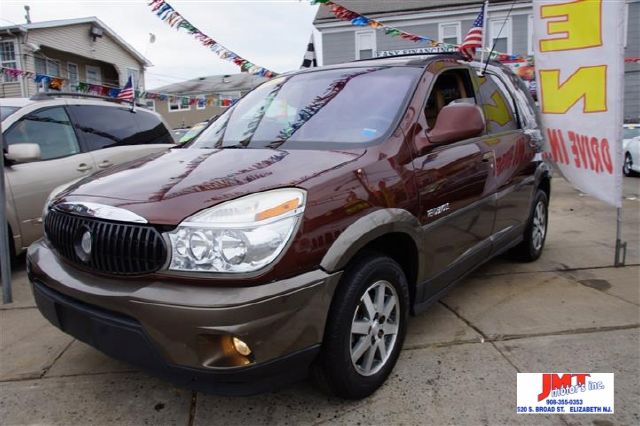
x=175, y=330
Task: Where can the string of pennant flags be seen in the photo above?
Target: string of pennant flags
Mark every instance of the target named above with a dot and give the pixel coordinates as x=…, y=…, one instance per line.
x=174, y=19
x=58, y=83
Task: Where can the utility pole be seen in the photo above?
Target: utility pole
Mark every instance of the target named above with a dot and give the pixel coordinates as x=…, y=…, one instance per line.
x=5, y=261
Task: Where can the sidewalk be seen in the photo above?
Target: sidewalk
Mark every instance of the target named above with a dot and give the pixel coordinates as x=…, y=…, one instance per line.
x=568, y=312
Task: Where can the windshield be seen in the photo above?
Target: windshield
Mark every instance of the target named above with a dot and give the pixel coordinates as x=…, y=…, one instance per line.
x=631, y=132
x=6, y=111
x=319, y=109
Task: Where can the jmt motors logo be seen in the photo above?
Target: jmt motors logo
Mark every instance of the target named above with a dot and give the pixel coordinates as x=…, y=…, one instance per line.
x=568, y=393
x=556, y=383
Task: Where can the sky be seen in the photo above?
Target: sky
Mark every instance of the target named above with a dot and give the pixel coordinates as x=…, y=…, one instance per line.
x=270, y=33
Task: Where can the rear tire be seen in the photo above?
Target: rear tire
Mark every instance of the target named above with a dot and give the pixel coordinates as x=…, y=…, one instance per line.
x=365, y=328
x=628, y=163
x=535, y=234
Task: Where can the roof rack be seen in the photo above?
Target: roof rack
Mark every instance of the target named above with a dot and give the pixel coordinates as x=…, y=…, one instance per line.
x=47, y=95
x=411, y=54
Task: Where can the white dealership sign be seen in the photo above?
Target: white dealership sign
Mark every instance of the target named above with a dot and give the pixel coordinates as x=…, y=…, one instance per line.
x=579, y=72
x=565, y=393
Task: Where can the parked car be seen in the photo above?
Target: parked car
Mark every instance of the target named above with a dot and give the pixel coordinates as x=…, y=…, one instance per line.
x=193, y=132
x=631, y=149
x=50, y=140
x=179, y=133
x=301, y=229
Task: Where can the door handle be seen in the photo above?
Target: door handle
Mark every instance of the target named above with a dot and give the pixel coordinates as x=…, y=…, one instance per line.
x=83, y=167
x=105, y=163
x=487, y=156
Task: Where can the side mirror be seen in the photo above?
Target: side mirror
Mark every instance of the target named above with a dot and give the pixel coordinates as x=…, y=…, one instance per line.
x=23, y=152
x=457, y=122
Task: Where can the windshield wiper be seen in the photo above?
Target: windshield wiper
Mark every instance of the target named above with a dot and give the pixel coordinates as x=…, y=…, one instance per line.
x=236, y=146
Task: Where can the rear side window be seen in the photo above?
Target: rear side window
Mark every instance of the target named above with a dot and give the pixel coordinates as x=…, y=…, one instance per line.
x=105, y=127
x=50, y=128
x=497, y=104
x=152, y=130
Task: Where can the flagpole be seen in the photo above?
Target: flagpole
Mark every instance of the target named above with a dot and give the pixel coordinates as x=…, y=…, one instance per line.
x=484, y=29
x=133, y=88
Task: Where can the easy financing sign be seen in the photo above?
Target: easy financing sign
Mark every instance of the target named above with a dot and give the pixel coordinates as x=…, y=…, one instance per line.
x=579, y=72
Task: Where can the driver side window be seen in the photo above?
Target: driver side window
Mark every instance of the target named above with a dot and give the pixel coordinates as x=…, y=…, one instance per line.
x=452, y=86
x=49, y=128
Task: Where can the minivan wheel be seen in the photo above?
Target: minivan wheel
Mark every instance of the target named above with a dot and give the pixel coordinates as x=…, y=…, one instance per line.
x=365, y=328
x=535, y=233
x=627, y=166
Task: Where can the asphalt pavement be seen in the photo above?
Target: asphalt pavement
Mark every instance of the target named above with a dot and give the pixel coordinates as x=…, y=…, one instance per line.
x=571, y=311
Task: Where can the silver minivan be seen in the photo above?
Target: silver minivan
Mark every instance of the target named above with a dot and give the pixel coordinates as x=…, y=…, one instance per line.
x=50, y=140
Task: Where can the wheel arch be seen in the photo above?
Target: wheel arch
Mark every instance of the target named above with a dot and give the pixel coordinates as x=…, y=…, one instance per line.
x=392, y=232
x=544, y=179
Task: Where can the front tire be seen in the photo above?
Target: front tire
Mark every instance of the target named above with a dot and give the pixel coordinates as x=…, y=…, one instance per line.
x=627, y=166
x=535, y=234
x=365, y=329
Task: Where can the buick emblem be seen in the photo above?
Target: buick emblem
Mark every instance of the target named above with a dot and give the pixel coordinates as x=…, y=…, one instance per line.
x=83, y=245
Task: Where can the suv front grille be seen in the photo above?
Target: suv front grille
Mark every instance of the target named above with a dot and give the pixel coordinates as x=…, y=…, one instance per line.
x=115, y=248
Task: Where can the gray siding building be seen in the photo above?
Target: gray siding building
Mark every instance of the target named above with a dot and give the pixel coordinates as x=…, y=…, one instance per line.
x=449, y=21
x=82, y=50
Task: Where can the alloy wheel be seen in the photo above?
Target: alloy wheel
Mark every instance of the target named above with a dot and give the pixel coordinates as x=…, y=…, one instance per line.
x=626, y=168
x=374, y=329
x=539, y=229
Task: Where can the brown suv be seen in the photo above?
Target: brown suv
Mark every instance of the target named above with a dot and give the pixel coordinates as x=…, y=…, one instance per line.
x=301, y=228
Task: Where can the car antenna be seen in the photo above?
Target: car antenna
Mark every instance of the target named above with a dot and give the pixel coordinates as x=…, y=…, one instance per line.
x=486, y=64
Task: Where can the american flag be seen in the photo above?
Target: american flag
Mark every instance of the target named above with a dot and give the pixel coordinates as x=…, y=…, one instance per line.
x=126, y=93
x=473, y=40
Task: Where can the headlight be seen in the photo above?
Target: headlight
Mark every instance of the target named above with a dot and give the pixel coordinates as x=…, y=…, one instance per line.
x=242, y=235
x=53, y=194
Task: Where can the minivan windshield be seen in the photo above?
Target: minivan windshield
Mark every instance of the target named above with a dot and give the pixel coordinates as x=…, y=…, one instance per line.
x=321, y=109
x=631, y=132
x=6, y=111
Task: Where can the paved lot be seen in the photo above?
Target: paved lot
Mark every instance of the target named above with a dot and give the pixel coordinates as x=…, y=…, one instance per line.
x=569, y=312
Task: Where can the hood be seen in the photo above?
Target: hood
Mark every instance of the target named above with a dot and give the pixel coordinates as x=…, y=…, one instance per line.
x=167, y=187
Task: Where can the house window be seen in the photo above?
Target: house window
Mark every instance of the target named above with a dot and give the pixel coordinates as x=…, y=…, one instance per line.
x=94, y=75
x=502, y=39
x=135, y=75
x=47, y=66
x=449, y=32
x=179, y=104
x=72, y=73
x=202, y=103
x=365, y=44
x=40, y=64
x=8, y=58
x=150, y=104
x=53, y=68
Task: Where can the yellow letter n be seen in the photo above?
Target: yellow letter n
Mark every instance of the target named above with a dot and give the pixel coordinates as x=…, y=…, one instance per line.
x=580, y=21
x=587, y=83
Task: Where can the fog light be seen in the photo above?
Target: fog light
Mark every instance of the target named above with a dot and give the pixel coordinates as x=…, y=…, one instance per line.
x=241, y=347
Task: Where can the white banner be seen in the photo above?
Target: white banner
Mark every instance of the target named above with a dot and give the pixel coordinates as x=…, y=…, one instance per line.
x=579, y=51
x=565, y=393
